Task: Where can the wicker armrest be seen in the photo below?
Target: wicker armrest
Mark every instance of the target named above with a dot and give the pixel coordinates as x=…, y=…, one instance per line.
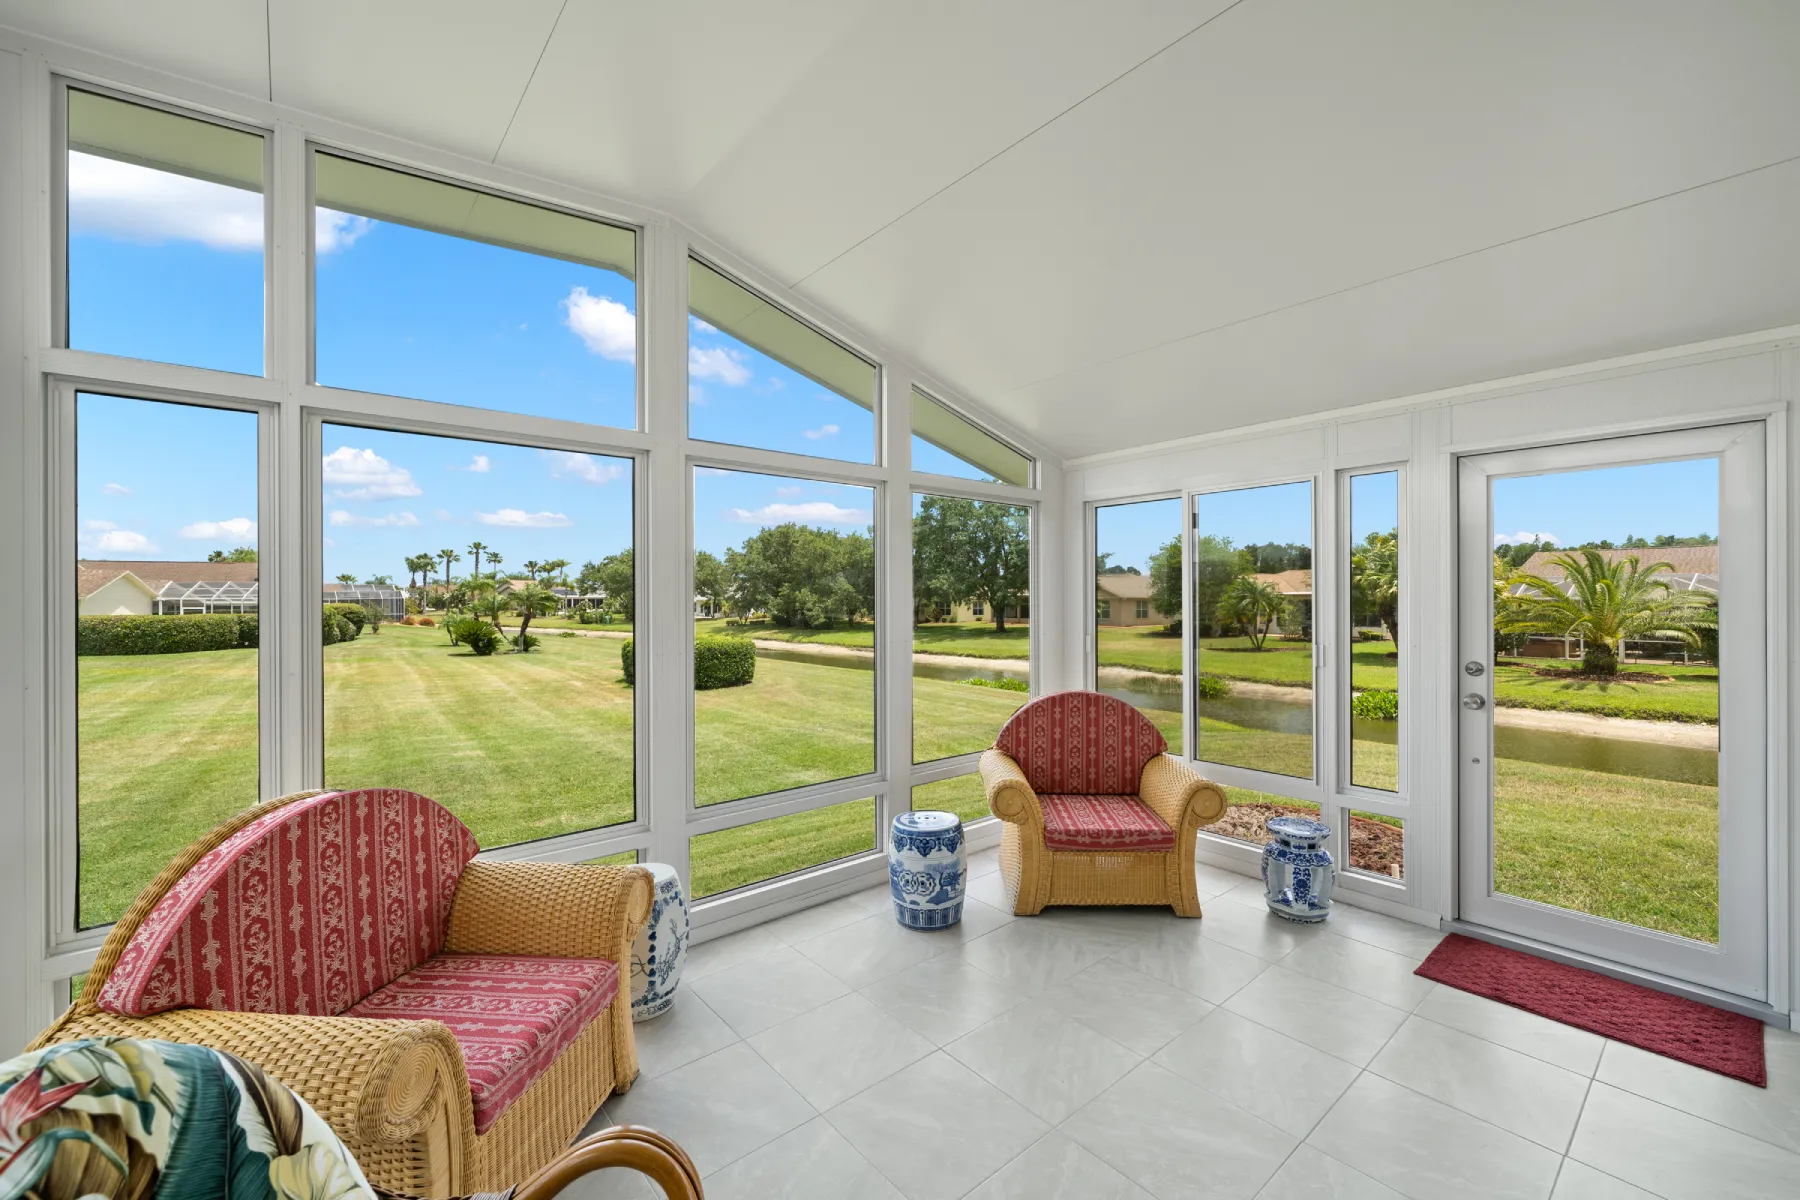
x=557, y=909
x=1180, y=795
x=373, y=1081
x=1008, y=792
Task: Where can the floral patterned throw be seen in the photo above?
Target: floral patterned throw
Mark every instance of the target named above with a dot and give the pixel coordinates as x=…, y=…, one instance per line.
x=129, y=1119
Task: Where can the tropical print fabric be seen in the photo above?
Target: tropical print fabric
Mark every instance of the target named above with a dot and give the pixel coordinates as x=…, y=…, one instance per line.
x=129, y=1119
x=305, y=910
x=1081, y=743
x=1103, y=823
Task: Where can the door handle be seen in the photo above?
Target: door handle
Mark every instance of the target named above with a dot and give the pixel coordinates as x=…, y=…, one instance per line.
x=1474, y=702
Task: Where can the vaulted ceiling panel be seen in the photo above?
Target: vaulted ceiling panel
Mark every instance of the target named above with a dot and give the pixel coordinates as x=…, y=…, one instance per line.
x=221, y=42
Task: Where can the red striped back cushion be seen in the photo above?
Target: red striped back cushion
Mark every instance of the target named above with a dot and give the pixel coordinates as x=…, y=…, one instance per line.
x=305, y=910
x=1081, y=742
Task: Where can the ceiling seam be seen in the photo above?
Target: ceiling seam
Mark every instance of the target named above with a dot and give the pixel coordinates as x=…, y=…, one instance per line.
x=1022, y=138
x=1367, y=283
x=526, y=90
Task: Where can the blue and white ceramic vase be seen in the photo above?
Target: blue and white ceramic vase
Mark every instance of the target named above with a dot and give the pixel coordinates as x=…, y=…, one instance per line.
x=1297, y=869
x=927, y=869
x=660, y=948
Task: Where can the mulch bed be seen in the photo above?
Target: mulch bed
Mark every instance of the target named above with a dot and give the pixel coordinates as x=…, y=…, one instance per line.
x=1374, y=846
x=1615, y=677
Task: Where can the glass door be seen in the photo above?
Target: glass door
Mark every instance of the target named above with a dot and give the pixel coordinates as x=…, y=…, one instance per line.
x=1612, y=685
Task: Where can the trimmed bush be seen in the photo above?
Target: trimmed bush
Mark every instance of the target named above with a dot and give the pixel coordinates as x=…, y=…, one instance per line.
x=476, y=634
x=353, y=613
x=331, y=628
x=526, y=642
x=1211, y=687
x=165, y=635
x=594, y=616
x=718, y=661
x=1376, y=706
x=427, y=621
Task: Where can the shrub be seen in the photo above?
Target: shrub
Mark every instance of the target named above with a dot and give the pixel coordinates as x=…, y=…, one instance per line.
x=568, y=633
x=474, y=633
x=409, y=619
x=164, y=635
x=1376, y=706
x=427, y=621
x=718, y=661
x=1211, y=687
x=373, y=617
x=1007, y=684
x=331, y=628
x=526, y=642
x=353, y=613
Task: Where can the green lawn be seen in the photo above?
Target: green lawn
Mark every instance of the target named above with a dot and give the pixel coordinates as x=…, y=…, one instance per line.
x=618, y=626
x=1692, y=695
x=1145, y=647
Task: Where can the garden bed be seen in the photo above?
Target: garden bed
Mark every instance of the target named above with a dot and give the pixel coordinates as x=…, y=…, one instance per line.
x=1374, y=846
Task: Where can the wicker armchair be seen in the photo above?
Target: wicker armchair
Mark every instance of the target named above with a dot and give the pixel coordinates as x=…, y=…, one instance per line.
x=397, y=1091
x=1096, y=812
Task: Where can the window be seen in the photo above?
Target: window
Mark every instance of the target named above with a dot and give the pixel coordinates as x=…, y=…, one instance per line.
x=443, y=547
x=166, y=636
x=945, y=443
x=965, y=795
x=785, y=682
x=165, y=236
x=426, y=289
x=971, y=649
x=1137, y=560
x=764, y=850
x=762, y=378
x=1373, y=636
x=1252, y=567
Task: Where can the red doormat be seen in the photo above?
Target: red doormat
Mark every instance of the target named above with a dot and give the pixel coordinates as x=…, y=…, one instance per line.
x=1685, y=1030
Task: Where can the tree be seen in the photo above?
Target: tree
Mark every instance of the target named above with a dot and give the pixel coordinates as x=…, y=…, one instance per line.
x=974, y=550
x=532, y=600
x=1375, y=579
x=557, y=569
x=1165, y=583
x=347, y=579
x=493, y=564
x=1253, y=606
x=803, y=576
x=379, y=581
x=449, y=556
x=1606, y=604
x=1216, y=563
x=614, y=577
x=483, y=597
x=419, y=565
x=236, y=554
x=477, y=549
x=1103, y=567
x=712, y=582
x=532, y=567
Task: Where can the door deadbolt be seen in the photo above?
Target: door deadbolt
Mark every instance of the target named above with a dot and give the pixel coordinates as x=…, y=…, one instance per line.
x=1474, y=669
x=1474, y=702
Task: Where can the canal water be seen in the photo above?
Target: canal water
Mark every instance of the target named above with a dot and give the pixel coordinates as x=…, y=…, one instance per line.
x=1613, y=756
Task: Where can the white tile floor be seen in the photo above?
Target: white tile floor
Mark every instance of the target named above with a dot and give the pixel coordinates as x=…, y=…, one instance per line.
x=1125, y=1054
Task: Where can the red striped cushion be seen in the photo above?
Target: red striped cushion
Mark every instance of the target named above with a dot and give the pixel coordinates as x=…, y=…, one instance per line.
x=512, y=1014
x=1103, y=823
x=1081, y=742
x=305, y=910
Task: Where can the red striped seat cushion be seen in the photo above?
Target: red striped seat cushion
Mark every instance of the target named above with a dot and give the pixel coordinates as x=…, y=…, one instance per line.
x=1103, y=823
x=512, y=1014
x=1085, y=743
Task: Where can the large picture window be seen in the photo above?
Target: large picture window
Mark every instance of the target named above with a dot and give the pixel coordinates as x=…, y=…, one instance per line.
x=426, y=289
x=784, y=633
x=762, y=378
x=166, y=636
x=1137, y=609
x=971, y=659
x=440, y=555
x=165, y=236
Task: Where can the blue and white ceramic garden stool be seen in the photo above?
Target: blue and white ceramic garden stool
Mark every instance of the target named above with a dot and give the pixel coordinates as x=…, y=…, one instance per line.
x=660, y=946
x=927, y=869
x=1297, y=869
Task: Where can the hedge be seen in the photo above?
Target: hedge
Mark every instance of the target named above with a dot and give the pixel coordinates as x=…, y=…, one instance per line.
x=165, y=635
x=718, y=661
x=352, y=613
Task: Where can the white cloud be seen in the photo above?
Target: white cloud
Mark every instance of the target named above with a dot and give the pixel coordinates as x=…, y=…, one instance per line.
x=393, y=520
x=478, y=464
x=813, y=512
x=333, y=230
x=116, y=489
x=124, y=541
x=718, y=363
x=699, y=326
x=582, y=466
x=696, y=394
x=1524, y=537
x=789, y=492
x=365, y=475
x=518, y=518
x=607, y=327
x=230, y=527
x=125, y=200
x=99, y=526
x=823, y=431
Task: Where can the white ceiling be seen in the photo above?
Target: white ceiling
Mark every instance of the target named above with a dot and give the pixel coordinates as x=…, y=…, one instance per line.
x=1184, y=215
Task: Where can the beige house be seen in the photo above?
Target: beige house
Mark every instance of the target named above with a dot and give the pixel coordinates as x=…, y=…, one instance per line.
x=1297, y=589
x=112, y=587
x=1124, y=600
x=966, y=611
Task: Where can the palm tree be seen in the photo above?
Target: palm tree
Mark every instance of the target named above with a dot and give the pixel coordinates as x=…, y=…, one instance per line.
x=347, y=580
x=532, y=567
x=418, y=565
x=493, y=564
x=477, y=549
x=1605, y=604
x=557, y=569
x=379, y=581
x=532, y=600
x=449, y=556
x=1375, y=577
x=1254, y=605
x=481, y=591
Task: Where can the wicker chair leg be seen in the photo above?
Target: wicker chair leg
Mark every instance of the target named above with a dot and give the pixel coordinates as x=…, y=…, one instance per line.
x=1023, y=870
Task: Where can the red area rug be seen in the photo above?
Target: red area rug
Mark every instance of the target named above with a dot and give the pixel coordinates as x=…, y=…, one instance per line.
x=1675, y=1027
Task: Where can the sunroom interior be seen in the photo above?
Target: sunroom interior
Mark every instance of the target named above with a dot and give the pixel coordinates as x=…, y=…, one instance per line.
x=672, y=446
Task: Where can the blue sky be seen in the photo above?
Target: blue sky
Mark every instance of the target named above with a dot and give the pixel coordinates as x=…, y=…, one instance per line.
x=1134, y=532
x=1281, y=512
x=170, y=268
x=1609, y=504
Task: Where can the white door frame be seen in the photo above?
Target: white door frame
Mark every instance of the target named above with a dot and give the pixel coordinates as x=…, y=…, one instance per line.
x=1739, y=963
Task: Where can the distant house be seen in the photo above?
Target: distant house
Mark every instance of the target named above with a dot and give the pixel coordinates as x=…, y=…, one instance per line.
x=1124, y=599
x=1693, y=569
x=1296, y=588
x=965, y=611
x=113, y=587
x=390, y=600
